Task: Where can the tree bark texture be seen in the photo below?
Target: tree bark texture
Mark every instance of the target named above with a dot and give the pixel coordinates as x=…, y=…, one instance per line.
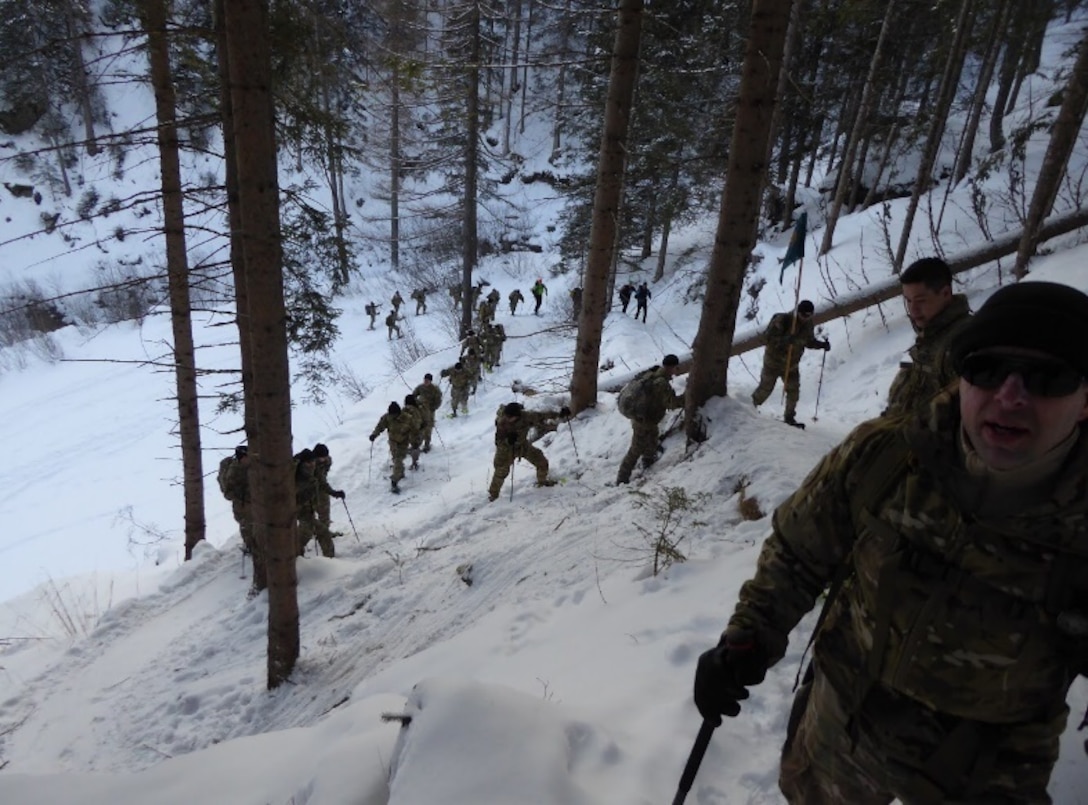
x=738, y=218
x=155, y=16
x=1063, y=139
x=270, y=444
x=606, y=203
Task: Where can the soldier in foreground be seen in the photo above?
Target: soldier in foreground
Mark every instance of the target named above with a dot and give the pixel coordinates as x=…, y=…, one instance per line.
x=512, y=426
x=937, y=315
x=954, y=545
x=788, y=336
x=644, y=401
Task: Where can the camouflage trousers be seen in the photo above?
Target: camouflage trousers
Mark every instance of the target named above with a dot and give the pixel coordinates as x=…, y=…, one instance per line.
x=505, y=456
x=897, y=748
x=459, y=399
x=243, y=517
x=309, y=527
x=645, y=441
x=767, y=380
x=398, y=451
x=428, y=428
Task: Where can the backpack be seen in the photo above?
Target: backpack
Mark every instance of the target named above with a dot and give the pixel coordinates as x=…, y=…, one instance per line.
x=224, y=476
x=635, y=400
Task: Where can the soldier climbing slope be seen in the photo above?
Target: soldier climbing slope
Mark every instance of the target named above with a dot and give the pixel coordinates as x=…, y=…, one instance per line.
x=788, y=335
x=429, y=397
x=512, y=426
x=515, y=299
x=420, y=295
x=460, y=381
x=644, y=401
x=392, y=326
x=322, y=465
x=400, y=428
x=372, y=311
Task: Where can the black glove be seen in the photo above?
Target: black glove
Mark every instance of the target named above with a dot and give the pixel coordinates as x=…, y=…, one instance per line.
x=825, y=345
x=338, y=494
x=724, y=673
x=564, y=412
x=511, y=438
x=373, y=436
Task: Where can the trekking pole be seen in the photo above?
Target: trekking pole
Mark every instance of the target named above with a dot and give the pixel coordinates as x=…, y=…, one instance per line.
x=370, y=466
x=572, y=441
x=691, y=768
x=513, y=461
x=819, y=386
x=352, y=522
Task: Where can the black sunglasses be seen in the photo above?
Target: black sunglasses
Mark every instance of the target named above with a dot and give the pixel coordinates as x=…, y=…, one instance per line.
x=1041, y=377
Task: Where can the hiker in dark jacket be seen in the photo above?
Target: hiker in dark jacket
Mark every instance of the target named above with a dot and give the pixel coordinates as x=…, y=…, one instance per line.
x=642, y=297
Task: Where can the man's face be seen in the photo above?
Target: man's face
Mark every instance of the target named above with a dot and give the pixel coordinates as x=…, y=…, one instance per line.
x=1008, y=425
x=923, y=303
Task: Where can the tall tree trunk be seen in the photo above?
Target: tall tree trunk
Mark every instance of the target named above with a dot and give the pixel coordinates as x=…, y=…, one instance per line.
x=469, y=234
x=237, y=259
x=1063, y=139
x=738, y=218
x=155, y=16
x=270, y=446
x=560, y=84
x=978, y=102
x=606, y=203
x=77, y=32
x=861, y=122
x=515, y=52
x=395, y=162
x=1014, y=44
x=945, y=95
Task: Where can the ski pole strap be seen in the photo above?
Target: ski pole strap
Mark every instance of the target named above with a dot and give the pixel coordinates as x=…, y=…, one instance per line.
x=691, y=768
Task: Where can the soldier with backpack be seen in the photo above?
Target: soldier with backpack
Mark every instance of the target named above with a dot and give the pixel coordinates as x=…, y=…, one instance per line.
x=401, y=428
x=952, y=546
x=309, y=486
x=372, y=311
x=233, y=479
x=644, y=401
x=460, y=381
x=420, y=297
x=429, y=397
x=788, y=336
x=516, y=298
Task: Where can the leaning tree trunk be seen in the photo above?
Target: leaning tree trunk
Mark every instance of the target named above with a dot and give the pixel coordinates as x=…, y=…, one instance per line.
x=469, y=235
x=738, y=218
x=861, y=122
x=945, y=94
x=270, y=447
x=154, y=14
x=1063, y=139
x=606, y=201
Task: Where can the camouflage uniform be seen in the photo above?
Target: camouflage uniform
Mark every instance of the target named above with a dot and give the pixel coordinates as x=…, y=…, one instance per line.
x=309, y=488
x=415, y=431
x=400, y=427
x=372, y=311
x=471, y=361
x=496, y=335
x=396, y=301
x=512, y=442
x=391, y=325
x=515, y=299
x=484, y=314
x=930, y=367
x=455, y=295
x=940, y=663
x=429, y=397
x=238, y=489
x=459, y=385
x=783, y=346
x=645, y=438
x=420, y=295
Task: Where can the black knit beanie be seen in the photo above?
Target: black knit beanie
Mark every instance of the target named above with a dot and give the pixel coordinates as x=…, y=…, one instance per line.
x=1046, y=316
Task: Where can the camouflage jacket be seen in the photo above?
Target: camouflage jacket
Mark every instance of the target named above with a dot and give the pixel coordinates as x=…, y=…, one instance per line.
x=930, y=367
x=660, y=396
x=515, y=296
x=781, y=342
x=459, y=378
x=429, y=394
x=953, y=594
x=238, y=481
x=397, y=300
x=521, y=427
x=401, y=427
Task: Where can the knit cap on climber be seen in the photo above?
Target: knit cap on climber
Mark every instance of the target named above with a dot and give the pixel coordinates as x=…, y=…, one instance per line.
x=1046, y=316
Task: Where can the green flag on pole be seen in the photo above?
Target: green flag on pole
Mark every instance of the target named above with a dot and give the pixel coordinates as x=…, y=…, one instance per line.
x=796, y=249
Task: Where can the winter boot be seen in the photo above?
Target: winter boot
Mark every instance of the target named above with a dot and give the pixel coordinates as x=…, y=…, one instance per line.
x=546, y=482
x=394, y=488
